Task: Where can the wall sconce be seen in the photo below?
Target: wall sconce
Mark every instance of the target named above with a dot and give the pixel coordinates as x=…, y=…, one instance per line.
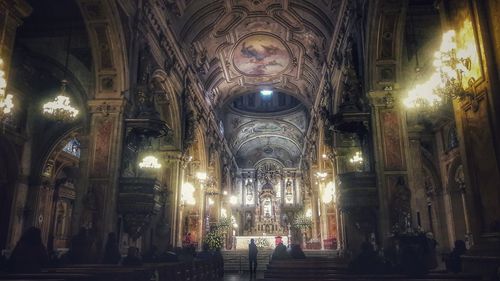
x=321, y=175
x=447, y=80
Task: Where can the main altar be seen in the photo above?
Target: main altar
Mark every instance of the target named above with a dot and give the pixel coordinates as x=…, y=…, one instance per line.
x=263, y=241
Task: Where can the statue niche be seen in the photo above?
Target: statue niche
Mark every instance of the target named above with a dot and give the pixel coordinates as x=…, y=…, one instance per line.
x=268, y=220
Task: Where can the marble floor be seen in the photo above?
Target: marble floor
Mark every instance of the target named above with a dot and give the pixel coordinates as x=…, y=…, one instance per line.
x=245, y=276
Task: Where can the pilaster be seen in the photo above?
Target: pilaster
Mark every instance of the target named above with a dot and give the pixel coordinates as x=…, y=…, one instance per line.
x=390, y=139
x=99, y=205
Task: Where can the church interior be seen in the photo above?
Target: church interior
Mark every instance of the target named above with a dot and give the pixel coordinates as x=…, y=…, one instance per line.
x=328, y=124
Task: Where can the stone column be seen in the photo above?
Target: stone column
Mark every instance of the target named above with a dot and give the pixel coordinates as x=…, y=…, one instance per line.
x=174, y=183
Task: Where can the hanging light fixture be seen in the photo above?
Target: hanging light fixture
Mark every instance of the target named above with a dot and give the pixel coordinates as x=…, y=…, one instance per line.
x=446, y=82
x=60, y=108
x=6, y=103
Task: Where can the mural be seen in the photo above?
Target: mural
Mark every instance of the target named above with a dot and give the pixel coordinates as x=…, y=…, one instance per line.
x=261, y=55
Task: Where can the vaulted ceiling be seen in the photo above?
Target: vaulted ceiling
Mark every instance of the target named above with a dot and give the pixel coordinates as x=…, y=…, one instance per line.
x=239, y=47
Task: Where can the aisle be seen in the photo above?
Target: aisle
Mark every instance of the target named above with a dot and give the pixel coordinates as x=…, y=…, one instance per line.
x=243, y=277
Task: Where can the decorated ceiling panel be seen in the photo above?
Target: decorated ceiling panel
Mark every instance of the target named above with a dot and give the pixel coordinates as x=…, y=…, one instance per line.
x=238, y=46
x=253, y=136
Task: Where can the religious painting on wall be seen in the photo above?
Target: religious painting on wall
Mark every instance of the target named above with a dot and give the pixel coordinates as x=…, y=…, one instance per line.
x=261, y=55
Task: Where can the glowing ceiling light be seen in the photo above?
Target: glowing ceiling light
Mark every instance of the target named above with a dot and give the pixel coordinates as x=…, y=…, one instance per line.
x=210, y=201
x=266, y=92
x=149, y=162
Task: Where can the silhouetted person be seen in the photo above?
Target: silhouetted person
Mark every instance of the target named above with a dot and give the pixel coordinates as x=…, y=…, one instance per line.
x=132, y=258
x=367, y=261
x=79, y=249
x=393, y=254
x=205, y=253
x=454, y=262
x=413, y=253
x=152, y=255
x=186, y=255
x=3, y=262
x=111, y=251
x=252, y=256
x=220, y=260
x=29, y=255
x=296, y=252
x=280, y=253
x=430, y=253
x=169, y=255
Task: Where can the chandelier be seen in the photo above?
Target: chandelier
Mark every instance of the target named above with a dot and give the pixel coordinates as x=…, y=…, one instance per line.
x=6, y=103
x=60, y=108
x=446, y=82
x=149, y=162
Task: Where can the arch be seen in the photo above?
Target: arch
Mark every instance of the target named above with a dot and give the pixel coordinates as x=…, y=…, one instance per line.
x=109, y=49
x=169, y=108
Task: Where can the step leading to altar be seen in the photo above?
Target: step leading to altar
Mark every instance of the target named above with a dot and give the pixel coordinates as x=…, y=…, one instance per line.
x=237, y=260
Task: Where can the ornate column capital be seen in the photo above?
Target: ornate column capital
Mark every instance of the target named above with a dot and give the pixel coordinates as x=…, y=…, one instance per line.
x=382, y=99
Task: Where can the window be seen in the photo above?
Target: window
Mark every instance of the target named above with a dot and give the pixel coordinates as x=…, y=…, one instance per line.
x=73, y=148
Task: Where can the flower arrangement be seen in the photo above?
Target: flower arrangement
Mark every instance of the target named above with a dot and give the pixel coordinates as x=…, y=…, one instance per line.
x=214, y=240
x=261, y=242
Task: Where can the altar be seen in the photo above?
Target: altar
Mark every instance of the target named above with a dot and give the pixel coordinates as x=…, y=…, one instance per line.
x=263, y=241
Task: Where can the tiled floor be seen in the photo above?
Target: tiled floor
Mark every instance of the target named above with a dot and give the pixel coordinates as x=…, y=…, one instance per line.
x=245, y=276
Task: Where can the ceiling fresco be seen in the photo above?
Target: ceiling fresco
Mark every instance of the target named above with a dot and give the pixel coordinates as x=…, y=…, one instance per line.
x=239, y=47
x=261, y=55
x=253, y=136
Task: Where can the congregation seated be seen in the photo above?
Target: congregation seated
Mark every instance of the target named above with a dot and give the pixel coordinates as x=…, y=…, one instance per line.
x=296, y=252
x=79, y=249
x=111, y=252
x=280, y=253
x=133, y=258
x=186, y=254
x=29, y=255
x=205, y=254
